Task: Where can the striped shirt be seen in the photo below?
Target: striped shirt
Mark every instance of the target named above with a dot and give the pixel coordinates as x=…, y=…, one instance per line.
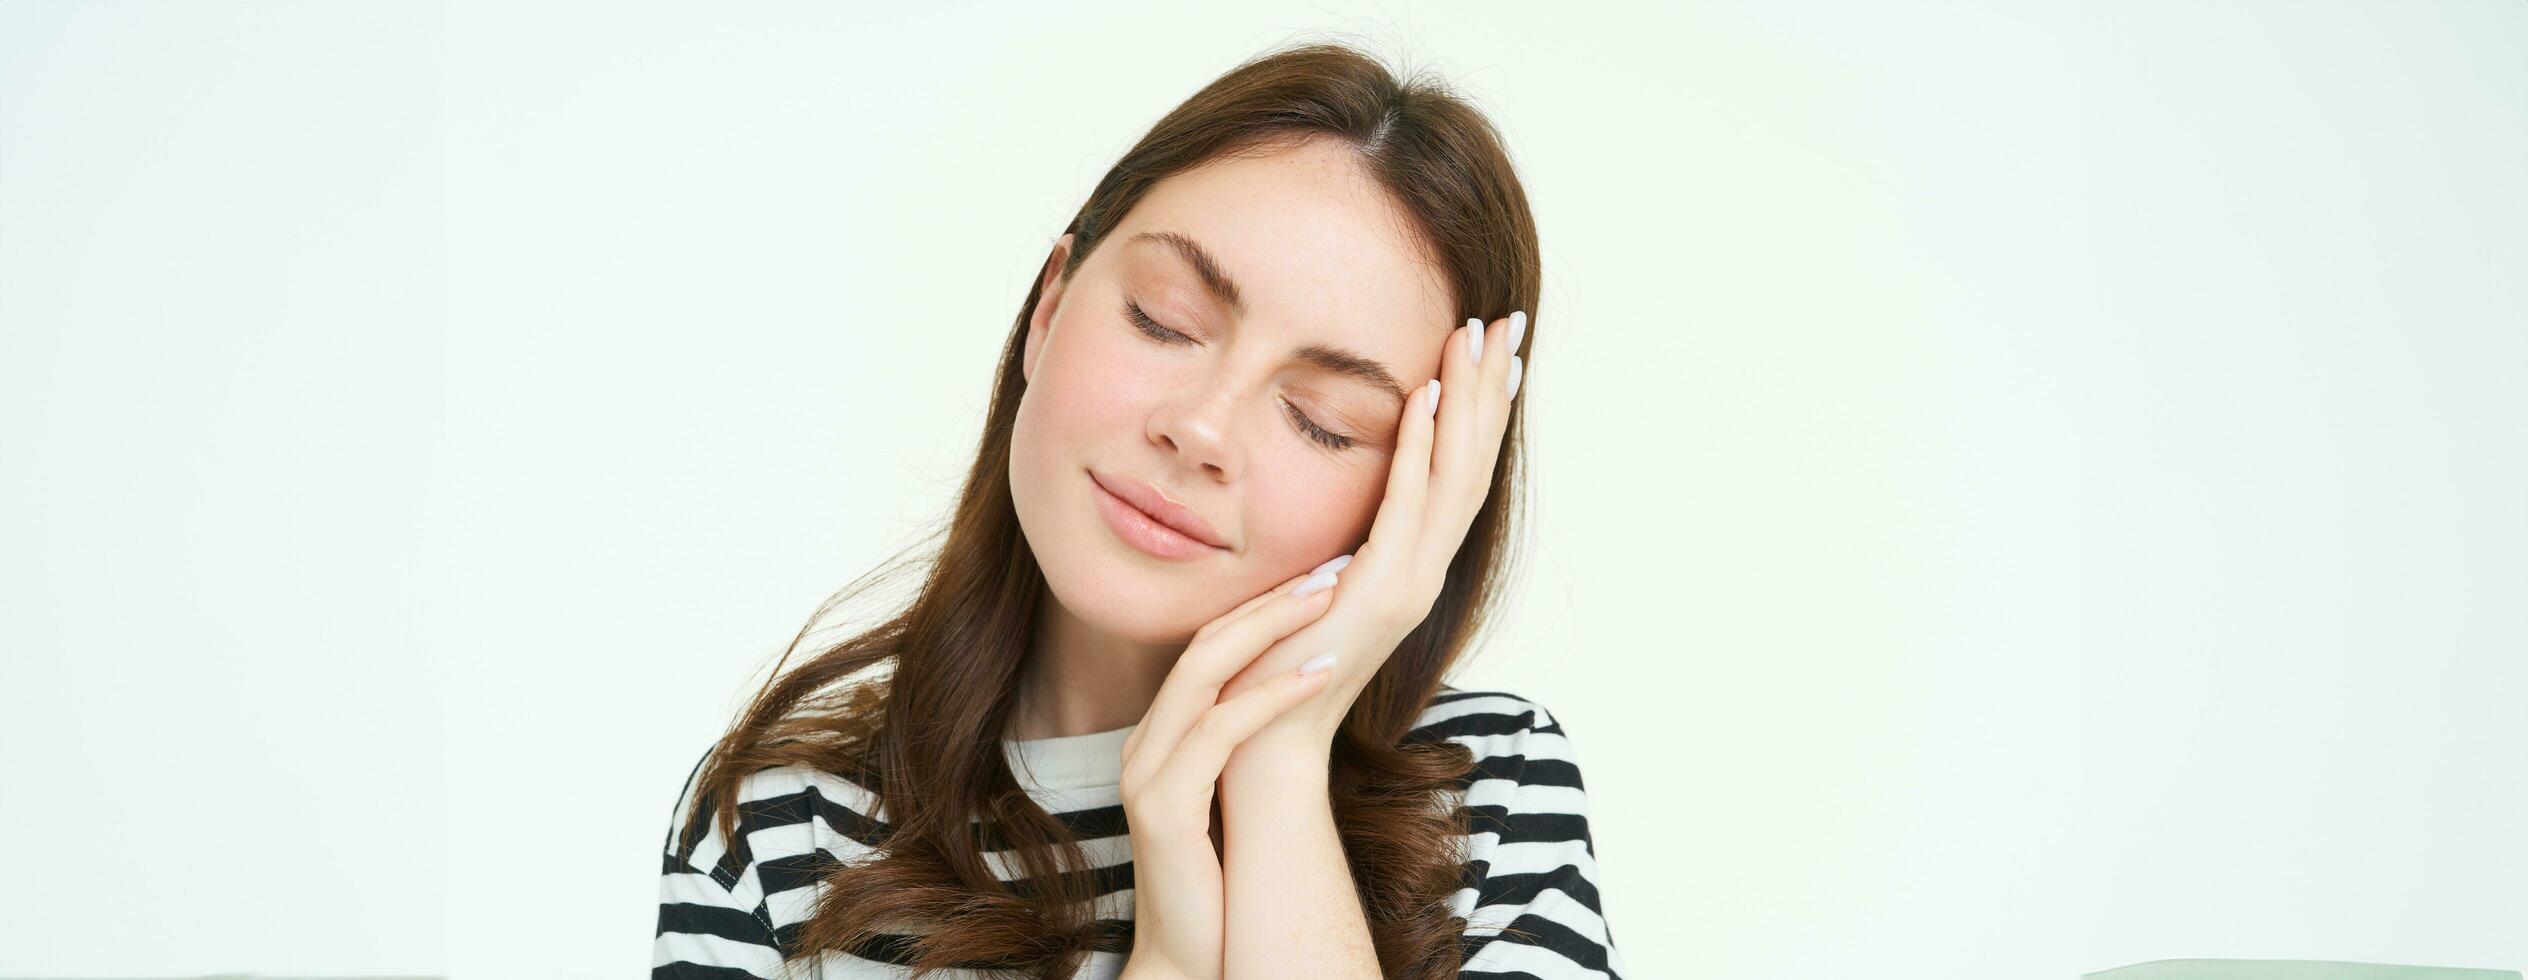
x=726, y=913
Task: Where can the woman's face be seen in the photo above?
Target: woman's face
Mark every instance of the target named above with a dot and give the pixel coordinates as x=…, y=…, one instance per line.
x=1270, y=417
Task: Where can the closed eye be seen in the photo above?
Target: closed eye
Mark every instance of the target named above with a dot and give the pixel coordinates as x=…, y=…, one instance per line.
x=1133, y=312
x=1308, y=427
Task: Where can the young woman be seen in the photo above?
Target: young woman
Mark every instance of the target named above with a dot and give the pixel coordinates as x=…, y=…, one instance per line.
x=1242, y=498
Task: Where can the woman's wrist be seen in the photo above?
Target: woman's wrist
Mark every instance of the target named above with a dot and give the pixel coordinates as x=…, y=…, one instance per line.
x=1289, y=765
x=1140, y=967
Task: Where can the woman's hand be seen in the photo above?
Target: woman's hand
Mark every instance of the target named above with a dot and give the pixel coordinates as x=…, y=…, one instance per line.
x=1173, y=760
x=1436, y=483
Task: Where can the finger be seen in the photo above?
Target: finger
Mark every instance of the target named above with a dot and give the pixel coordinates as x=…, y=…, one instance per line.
x=1472, y=372
x=1193, y=686
x=1459, y=451
x=1132, y=741
x=1236, y=642
x=1204, y=752
x=1248, y=606
x=1334, y=565
x=1242, y=677
x=1399, y=519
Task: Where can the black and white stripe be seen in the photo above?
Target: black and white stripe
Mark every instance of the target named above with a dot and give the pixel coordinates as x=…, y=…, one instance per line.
x=726, y=911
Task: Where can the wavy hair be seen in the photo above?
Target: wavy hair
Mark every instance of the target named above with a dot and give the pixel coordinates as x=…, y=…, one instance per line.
x=911, y=708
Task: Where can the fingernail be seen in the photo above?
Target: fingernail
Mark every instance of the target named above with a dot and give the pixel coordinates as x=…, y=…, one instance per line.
x=1518, y=328
x=1322, y=662
x=1431, y=398
x=1315, y=583
x=1474, y=341
x=1332, y=565
x=1516, y=366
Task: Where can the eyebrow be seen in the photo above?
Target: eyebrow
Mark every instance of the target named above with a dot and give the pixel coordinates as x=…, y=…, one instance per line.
x=1217, y=280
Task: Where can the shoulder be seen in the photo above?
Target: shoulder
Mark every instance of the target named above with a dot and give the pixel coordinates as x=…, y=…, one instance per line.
x=783, y=813
x=1523, y=756
x=1530, y=892
x=1485, y=719
x=727, y=901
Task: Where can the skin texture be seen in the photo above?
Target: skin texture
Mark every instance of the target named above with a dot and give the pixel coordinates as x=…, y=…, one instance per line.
x=1321, y=255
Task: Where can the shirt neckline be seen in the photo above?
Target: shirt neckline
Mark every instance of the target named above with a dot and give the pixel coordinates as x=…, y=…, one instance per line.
x=1068, y=761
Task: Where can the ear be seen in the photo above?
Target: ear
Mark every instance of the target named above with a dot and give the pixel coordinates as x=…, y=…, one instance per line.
x=1048, y=298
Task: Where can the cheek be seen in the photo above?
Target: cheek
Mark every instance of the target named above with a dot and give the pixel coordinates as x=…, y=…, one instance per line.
x=1312, y=510
x=1083, y=386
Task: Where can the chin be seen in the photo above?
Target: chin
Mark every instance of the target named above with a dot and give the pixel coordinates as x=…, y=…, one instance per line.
x=1113, y=604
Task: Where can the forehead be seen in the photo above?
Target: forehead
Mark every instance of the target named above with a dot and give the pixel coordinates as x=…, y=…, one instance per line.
x=1311, y=239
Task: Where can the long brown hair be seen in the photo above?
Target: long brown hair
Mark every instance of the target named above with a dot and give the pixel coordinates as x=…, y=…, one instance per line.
x=922, y=731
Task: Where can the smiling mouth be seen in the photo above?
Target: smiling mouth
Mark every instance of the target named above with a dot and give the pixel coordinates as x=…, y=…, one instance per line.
x=1144, y=532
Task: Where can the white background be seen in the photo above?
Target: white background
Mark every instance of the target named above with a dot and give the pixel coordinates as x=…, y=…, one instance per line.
x=2023, y=488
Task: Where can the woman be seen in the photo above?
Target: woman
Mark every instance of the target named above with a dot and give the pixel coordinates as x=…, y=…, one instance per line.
x=1250, y=351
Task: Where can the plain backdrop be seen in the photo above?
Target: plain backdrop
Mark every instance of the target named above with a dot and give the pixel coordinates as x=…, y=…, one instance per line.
x=2021, y=488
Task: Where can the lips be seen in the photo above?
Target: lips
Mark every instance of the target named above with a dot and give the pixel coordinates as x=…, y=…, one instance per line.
x=1150, y=500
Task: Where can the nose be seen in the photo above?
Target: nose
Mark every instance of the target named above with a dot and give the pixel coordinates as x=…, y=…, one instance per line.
x=1196, y=426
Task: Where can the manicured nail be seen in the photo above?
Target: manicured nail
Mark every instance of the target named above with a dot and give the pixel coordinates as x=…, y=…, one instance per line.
x=1474, y=341
x=1322, y=662
x=1516, y=366
x=1316, y=583
x=1431, y=397
x=1518, y=328
x=1332, y=565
